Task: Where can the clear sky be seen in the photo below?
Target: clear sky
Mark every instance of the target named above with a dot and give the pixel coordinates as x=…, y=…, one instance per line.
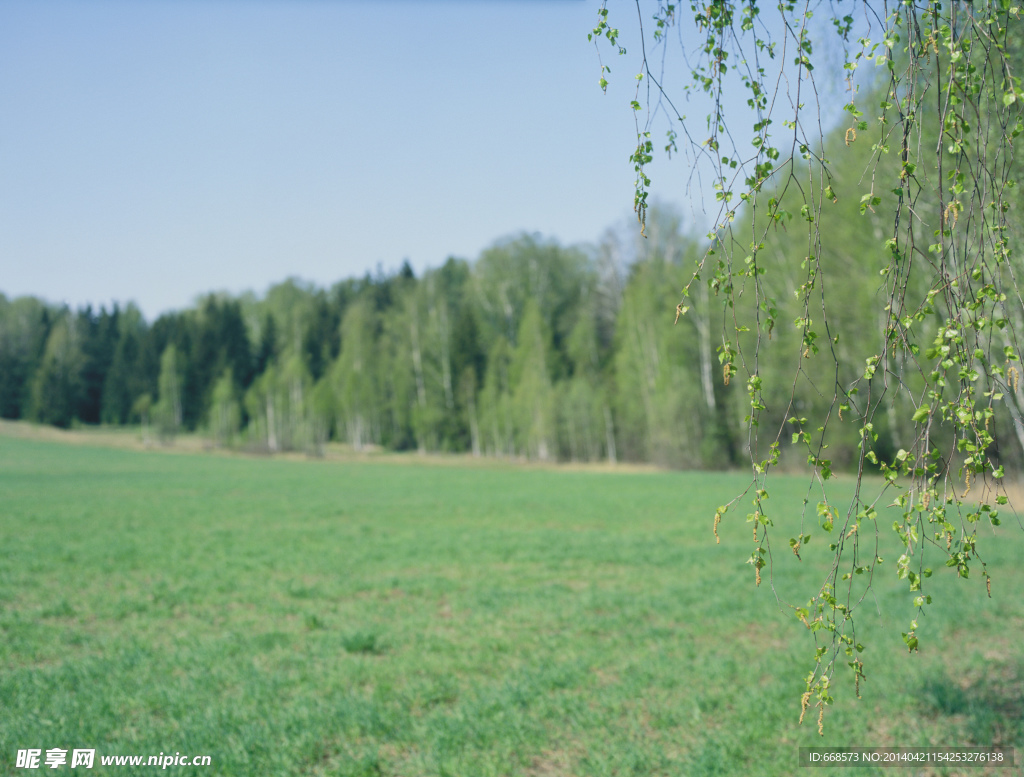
x=153, y=151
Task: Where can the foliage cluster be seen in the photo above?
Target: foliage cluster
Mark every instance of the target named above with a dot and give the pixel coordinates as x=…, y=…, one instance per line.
x=941, y=121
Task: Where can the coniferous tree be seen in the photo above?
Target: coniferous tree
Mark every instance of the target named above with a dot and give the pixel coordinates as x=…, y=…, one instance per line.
x=469, y=363
x=398, y=377
x=267, y=349
x=322, y=339
x=100, y=335
x=24, y=330
x=126, y=380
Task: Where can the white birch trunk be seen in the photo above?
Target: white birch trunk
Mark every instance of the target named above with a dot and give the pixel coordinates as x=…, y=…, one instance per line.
x=609, y=431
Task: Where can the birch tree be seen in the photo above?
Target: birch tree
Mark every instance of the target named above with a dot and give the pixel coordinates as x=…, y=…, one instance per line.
x=355, y=377
x=57, y=383
x=225, y=411
x=167, y=412
x=533, y=399
x=942, y=120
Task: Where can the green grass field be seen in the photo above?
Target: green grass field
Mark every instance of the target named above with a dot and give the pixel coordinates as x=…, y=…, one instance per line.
x=383, y=618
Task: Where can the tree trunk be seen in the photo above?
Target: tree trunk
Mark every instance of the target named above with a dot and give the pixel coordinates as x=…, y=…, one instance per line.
x=609, y=431
x=474, y=427
x=357, y=433
x=703, y=323
x=417, y=365
x=446, y=366
x=271, y=430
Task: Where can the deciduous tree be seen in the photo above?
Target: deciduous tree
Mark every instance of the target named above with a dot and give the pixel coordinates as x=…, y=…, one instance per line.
x=941, y=120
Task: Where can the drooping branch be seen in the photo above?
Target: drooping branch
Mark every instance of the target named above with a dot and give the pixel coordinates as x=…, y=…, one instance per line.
x=925, y=152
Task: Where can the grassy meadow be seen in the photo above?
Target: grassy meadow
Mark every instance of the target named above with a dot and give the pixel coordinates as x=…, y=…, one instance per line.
x=398, y=616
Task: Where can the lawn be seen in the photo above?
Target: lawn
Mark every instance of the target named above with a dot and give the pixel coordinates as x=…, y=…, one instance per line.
x=409, y=617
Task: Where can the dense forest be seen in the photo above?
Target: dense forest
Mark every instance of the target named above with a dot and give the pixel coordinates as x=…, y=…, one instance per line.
x=533, y=350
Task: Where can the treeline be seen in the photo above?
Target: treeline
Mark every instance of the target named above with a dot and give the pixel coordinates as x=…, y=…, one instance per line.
x=534, y=350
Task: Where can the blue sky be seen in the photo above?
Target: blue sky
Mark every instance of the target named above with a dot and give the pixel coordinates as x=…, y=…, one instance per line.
x=154, y=151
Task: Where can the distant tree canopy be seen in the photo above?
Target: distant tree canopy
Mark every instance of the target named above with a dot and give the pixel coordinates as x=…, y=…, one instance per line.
x=534, y=350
